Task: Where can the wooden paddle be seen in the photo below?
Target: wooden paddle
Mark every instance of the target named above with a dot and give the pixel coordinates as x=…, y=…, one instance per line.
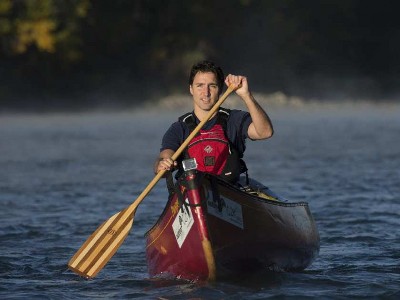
x=105, y=241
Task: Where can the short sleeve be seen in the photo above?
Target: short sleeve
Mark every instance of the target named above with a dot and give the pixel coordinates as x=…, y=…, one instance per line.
x=173, y=137
x=238, y=125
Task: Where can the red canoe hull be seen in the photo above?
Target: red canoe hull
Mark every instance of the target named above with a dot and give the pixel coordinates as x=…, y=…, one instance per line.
x=225, y=231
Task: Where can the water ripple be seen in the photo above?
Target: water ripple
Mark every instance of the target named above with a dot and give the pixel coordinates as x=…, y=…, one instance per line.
x=64, y=176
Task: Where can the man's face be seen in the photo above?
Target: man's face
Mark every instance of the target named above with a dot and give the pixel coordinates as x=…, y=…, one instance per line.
x=204, y=90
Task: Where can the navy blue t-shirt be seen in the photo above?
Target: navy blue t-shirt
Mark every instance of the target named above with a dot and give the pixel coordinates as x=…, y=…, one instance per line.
x=237, y=126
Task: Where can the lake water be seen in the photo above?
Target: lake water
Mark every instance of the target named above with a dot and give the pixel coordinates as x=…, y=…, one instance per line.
x=62, y=175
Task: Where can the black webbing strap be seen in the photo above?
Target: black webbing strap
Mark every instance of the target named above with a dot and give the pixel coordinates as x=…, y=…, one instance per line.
x=190, y=120
x=173, y=188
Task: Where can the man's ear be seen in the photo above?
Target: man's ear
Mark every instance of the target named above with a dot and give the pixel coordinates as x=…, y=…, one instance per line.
x=191, y=89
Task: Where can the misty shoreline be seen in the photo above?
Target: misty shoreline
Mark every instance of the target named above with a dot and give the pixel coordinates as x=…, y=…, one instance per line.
x=183, y=102
x=279, y=100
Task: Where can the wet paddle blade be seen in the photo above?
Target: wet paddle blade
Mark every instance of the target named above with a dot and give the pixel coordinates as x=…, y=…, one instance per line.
x=101, y=246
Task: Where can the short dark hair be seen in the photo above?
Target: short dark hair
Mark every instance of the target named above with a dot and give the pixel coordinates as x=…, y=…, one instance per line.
x=207, y=66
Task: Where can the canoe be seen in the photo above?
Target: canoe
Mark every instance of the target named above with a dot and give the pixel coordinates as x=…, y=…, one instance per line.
x=211, y=229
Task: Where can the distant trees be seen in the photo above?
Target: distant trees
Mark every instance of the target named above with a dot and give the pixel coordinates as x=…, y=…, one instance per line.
x=130, y=48
x=47, y=26
x=41, y=42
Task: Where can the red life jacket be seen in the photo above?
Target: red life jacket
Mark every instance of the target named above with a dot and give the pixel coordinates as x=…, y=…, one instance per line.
x=211, y=150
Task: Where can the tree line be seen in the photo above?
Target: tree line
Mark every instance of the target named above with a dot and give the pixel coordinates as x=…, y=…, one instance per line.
x=77, y=53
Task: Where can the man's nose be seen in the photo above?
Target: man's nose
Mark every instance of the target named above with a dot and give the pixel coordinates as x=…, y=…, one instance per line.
x=207, y=90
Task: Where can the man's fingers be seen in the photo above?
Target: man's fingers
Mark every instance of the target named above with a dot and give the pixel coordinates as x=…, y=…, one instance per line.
x=235, y=80
x=166, y=164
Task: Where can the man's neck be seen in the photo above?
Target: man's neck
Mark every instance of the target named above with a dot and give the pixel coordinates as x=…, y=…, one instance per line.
x=202, y=114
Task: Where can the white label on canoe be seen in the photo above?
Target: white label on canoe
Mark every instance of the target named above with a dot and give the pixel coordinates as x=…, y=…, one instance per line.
x=182, y=224
x=229, y=210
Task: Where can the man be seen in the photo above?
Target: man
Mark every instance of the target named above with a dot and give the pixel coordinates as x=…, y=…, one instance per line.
x=220, y=145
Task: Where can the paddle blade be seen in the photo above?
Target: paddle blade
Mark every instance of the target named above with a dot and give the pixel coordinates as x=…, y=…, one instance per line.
x=101, y=246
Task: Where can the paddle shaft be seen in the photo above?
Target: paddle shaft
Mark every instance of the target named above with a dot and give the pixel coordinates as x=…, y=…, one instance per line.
x=146, y=191
x=105, y=241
